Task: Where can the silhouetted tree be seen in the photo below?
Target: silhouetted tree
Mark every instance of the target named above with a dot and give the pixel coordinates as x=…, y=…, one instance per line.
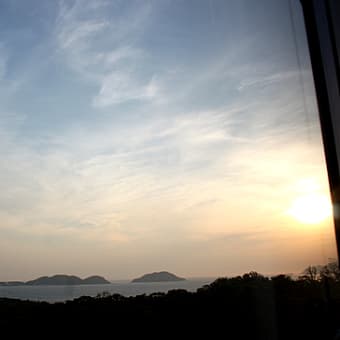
x=311, y=274
x=331, y=271
x=253, y=276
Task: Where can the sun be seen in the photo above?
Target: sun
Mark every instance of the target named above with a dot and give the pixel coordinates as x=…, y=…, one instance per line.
x=311, y=208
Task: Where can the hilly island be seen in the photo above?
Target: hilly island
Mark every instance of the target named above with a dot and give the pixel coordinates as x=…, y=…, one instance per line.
x=59, y=280
x=158, y=277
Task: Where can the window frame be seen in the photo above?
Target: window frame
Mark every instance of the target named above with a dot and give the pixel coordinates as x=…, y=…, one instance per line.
x=322, y=22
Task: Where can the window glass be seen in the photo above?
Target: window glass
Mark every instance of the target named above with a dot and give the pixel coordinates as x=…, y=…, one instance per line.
x=159, y=135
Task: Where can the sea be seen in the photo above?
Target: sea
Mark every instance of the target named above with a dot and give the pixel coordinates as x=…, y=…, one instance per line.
x=125, y=288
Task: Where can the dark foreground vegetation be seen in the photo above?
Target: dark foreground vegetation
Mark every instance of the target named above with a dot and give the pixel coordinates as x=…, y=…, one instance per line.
x=244, y=307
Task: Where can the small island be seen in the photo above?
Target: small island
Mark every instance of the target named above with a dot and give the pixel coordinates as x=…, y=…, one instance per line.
x=158, y=277
x=59, y=280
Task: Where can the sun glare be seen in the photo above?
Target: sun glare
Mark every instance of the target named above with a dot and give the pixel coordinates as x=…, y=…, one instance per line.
x=311, y=208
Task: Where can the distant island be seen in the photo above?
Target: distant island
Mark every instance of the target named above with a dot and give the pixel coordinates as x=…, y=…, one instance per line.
x=158, y=277
x=59, y=280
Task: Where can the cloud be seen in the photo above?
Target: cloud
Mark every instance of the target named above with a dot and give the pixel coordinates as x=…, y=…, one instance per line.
x=119, y=87
x=77, y=35
x=104, y=50
x=104, y=180
x=81, y=192
x=267, y=80
x=3, y=62
x=8, y=84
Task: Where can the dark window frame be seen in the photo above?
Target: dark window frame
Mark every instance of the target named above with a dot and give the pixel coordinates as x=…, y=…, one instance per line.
x=322, y=22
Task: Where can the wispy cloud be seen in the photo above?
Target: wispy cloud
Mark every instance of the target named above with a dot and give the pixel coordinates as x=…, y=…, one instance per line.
x=103, y=181
x=105, y=50
x=3, y=62
x=268, y=80
x=120, y=87
x=8, y=85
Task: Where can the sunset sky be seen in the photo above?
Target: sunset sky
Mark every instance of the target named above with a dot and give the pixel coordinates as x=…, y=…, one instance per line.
x=139, y=136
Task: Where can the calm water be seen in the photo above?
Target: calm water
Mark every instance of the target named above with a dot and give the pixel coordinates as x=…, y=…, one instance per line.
x=63, y=293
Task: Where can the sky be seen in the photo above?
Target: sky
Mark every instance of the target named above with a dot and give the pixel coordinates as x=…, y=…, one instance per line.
x=139, y=136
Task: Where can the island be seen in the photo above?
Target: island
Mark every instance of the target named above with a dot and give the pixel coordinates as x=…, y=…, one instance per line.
x=11, y=283
x=158, y=277
x=59, y=280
